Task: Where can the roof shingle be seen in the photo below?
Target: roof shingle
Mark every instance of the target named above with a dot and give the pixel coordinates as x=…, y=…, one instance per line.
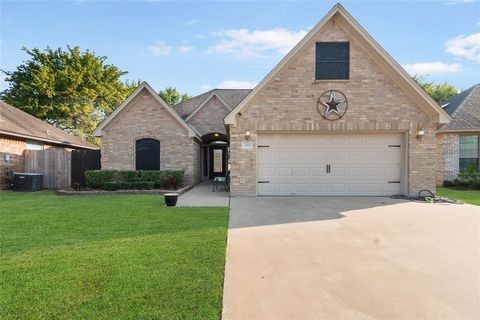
x=15, y=122
x=464, y=109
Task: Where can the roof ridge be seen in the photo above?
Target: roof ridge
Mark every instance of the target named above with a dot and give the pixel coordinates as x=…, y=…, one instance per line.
x=467, y=98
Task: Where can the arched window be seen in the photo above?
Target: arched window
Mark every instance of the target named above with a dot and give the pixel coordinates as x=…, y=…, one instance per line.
x=147, y=154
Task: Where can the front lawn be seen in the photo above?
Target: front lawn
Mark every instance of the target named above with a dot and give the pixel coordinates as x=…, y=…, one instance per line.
x=467, y=196
x=109, y=257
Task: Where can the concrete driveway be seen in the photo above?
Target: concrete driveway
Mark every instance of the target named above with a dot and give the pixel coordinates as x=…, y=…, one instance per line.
x=351, y=258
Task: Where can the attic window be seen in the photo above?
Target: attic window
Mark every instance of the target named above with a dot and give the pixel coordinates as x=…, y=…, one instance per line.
x=332, y=61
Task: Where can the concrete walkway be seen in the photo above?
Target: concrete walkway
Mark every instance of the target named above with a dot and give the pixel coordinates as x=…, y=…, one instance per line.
x=202, y=196
x=351, y=258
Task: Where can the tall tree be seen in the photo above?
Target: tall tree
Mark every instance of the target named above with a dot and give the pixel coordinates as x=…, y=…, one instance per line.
x=71, y=89
x=439, y=92
x=171, y=95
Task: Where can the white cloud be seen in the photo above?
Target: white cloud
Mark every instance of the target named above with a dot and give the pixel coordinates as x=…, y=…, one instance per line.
x=205, y=87
x=184, y=49
x=465, y=46
x=256, y=43
x=478, y=23
x=429, y=68
x=161, y=49
x=191, y=22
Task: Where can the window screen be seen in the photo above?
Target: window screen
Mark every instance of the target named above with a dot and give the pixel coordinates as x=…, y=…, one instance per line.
x=469, y=152
x=332, y=60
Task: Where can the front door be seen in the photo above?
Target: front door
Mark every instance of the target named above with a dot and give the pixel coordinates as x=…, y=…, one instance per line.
x=218, y=161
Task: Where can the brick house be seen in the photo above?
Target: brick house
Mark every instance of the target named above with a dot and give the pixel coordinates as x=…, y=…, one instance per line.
x=20, y=131
x=458, y=142
x=336, y=116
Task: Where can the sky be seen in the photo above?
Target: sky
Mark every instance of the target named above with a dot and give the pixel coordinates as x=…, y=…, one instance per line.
x=197, y=46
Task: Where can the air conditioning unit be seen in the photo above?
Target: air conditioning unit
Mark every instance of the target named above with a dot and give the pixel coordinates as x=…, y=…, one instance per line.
x=27, y=181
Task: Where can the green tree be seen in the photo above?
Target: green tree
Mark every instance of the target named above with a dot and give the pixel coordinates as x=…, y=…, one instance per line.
x=70, y=89
x=171, y=95
x=438, y=92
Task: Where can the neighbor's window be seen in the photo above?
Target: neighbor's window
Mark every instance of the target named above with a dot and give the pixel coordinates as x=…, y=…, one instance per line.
x=147, y=154
x=469, y=152
x=332, y=60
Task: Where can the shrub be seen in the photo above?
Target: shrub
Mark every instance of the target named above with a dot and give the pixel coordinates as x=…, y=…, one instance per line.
x=172, y=179
x=469, y=179
x=136, y=185
x=126, y=176
x=151, y=175
x=448, y=184
x=97, y=178
x=108, y=179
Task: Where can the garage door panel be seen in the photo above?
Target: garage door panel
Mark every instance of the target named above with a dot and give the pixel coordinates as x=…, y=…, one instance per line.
x=285, y=188
x=267, y=172
x=318, y=171
x=285, y=172
x=360, y=164
x=302, y=188
x=301, y=172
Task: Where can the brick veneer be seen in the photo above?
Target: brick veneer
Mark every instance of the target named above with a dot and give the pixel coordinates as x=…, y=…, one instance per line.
x=447, y=156
x=145, y=117
x=210, y=118
x=376, y=103
x=14, y=148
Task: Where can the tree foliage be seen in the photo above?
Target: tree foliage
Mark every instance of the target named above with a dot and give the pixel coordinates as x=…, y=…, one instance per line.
x=439, y=92
x=70, y=89
x=172, y=96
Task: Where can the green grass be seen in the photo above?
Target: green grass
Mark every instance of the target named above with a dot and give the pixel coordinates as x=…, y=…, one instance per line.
x=109, y=257
x=467, y=196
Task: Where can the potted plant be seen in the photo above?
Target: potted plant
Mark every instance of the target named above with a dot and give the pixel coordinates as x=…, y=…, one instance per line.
x=171, y=199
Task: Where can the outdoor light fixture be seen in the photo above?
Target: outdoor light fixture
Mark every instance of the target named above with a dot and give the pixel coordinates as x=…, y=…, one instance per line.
x=216, y=134
x=420, y=133
x=247, y=135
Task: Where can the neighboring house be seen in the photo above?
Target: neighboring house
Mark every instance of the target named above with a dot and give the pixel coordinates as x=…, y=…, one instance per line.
x=458, y=142
x=336, y=116
x=20, y=131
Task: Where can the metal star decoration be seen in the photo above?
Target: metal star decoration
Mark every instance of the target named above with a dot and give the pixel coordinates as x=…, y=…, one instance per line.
x=334, y=108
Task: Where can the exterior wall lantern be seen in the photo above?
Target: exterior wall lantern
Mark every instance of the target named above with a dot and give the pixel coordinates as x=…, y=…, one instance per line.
x=420, y=133
x=247, y=135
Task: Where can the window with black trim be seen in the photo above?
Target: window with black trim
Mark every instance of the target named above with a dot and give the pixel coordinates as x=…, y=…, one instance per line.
x=147, y=154
x=332, y=61
x=469, y=152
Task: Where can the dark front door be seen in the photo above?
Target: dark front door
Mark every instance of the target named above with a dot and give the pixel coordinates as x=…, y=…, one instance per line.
x=147, y=154
x=218, y=161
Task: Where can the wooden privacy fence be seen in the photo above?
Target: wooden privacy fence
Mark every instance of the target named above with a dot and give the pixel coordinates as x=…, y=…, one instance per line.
x=61, y=167
x=83, y=160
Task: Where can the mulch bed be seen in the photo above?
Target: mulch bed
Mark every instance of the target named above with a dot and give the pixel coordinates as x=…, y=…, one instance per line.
x=71, y=192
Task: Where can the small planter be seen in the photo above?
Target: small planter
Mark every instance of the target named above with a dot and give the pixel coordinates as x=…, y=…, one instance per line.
x=171, y=199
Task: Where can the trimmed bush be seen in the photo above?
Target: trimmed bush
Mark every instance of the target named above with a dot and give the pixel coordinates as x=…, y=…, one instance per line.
x=448, y=184
x=136, y=185
x=469, y=179
x=151, y=175
x=127, y=176
x=96, y=178
x=109, y=178
x=172, y=179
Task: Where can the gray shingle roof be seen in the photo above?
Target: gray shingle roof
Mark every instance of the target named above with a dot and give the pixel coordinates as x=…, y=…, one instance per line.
x=231, y=96
x=15, y=122
x=464, y=109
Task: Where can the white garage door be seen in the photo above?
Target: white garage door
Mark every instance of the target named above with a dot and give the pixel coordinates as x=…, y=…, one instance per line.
x=333, y=164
